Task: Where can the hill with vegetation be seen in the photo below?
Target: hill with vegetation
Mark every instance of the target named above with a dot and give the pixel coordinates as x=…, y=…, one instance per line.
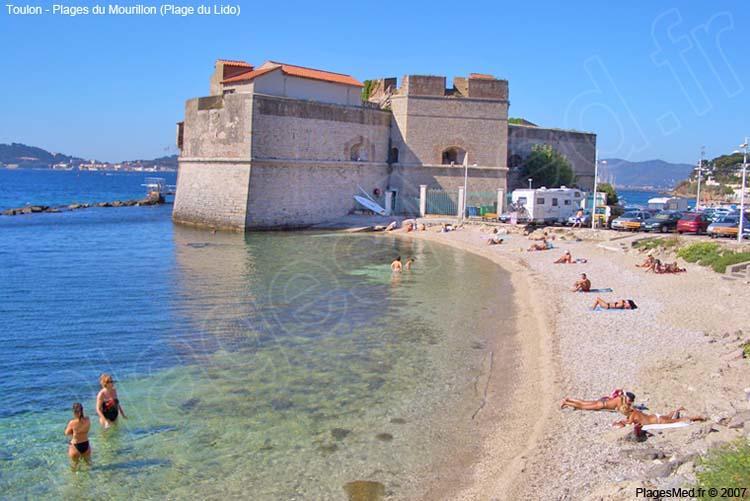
x=649, y=174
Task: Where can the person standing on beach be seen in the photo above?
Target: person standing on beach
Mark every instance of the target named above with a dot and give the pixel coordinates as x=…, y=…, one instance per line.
x=78, y=429
x=107, y=404
x=579, y=219
x=396, y=265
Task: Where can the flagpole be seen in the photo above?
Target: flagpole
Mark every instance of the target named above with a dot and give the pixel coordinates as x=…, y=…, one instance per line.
x=593, y=201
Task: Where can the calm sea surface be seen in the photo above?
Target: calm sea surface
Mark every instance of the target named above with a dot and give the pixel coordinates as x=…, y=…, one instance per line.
x=263, y=366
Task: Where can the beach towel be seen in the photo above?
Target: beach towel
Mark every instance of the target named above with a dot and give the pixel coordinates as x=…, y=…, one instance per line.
x=666, y=426
x=599, y=290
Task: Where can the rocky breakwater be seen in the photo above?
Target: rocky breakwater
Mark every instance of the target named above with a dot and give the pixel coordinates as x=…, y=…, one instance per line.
x=35, y=209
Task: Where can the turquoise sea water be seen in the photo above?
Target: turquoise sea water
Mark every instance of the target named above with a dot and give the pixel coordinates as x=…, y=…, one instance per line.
x=261, y=366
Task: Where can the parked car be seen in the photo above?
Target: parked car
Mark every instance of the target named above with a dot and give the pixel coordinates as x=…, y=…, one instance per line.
x=693, y=222
x=662, y=222
x=522, y=217
x=727, y=227
x=586, y=220
x=630, y=220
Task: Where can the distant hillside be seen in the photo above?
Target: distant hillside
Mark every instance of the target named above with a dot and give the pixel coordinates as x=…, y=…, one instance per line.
x=17, y=153
x=31, y=156
x=647, y=174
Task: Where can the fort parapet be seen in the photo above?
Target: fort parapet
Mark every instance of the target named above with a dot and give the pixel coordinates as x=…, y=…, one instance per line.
x=279, y=146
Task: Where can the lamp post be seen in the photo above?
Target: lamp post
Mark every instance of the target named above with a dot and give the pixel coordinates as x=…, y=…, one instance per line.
x=700, y=170
x=596, y=180
x=530, y=180
x=742, y=192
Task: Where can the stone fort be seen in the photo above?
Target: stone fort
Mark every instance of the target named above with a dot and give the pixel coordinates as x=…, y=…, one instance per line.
x=280, y=145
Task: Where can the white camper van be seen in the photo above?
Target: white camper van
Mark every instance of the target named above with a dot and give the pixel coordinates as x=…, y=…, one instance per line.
x=548, y=206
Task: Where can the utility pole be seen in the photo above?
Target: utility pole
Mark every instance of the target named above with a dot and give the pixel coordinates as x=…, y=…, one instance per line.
x=700, y=170
x=742, y=192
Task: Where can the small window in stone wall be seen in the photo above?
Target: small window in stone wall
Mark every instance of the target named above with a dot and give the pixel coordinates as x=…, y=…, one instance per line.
x=394, y=155
x=453, y=156
x=567, y=202
x=540, y=201
x=358, y=153
x=554, y=202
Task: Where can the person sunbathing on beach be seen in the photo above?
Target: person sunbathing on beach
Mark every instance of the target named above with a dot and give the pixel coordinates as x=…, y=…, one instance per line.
x=540, y=247
x=495, y=238
x=655, y=265
x=639, y=419
x=543, y=236
x=565, y=259
x=669, y=268
x=396, y=265
x=611, y=402
x=621, y=304
x=647, y=263
x=582, y=285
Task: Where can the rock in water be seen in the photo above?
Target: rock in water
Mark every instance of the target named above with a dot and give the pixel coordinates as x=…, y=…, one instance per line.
x=384, y=437
x=340, y=433
x=365, y=490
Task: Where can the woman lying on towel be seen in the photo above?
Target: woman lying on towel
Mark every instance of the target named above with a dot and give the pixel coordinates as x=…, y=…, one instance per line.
x=617, y=399
x=638, y=418
x=541, y=247
x=669, y=268
x=622, y=304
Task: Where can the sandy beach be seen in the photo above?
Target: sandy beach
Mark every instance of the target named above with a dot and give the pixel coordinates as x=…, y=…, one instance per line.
x=681, y=347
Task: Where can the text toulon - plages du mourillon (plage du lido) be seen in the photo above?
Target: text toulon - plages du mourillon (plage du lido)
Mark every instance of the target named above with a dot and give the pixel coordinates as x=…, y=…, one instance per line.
x=162, y=9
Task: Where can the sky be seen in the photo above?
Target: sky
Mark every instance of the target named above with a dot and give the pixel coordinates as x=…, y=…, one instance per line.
x=654, y=80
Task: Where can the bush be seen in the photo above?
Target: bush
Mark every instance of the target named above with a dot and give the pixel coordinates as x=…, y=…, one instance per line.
x=727, y=467
x=696, y=253
x=648, y=244
x=711, y=254
x=728, y=259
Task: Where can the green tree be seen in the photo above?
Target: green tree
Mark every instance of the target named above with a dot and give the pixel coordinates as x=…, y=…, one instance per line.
x=367, y=89
x=547, y=167
x=607, y=188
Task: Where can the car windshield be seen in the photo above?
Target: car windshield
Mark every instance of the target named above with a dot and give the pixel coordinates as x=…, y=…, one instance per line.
x=631, y=215
x=663, y=216
x=729, y=219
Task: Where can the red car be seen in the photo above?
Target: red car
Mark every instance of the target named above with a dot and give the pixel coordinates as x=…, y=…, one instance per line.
x=693, y=222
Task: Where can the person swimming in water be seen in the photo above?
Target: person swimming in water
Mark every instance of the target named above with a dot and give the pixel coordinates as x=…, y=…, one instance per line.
x=78, y=429
x=107, y=404
x=396, y=266
x=409, y=261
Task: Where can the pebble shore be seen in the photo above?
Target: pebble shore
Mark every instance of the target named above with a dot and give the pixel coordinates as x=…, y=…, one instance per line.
x=681, y=347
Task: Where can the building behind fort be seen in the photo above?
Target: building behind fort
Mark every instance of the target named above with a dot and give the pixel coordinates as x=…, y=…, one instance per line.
x=280, y=145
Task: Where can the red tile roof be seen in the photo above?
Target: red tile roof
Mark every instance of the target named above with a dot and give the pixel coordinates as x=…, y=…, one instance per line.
x=297, y=71
x=231, y=62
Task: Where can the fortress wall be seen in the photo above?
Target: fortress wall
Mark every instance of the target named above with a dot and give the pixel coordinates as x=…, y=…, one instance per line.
x=293, y=194
x=212, y=194
x=218, y=127
x=314, y=131
x=406, y=179
x=430, y=125
x=578, y=147
x=214, y=165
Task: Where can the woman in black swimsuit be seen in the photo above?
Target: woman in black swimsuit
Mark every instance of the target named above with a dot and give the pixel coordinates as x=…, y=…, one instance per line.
x=78, y=429
x=107, y=404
